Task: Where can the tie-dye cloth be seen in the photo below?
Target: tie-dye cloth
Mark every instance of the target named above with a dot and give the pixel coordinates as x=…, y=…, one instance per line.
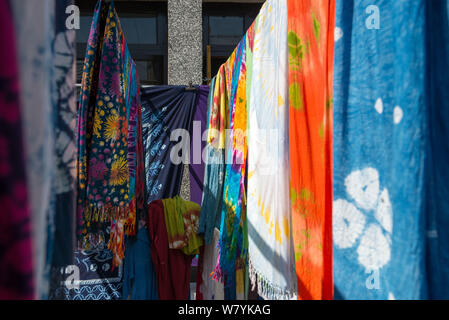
x=181, y=220
x=390, y=208
x=212, y=196
x=34, y=22
x=311, y=47
x=110, y=164
x=60, y=246
x=16, y=263
x=232, y=217
x=167, y=113
x=271, y=257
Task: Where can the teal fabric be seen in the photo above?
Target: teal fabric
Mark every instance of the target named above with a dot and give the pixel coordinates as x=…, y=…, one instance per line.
x=139, y=279
x=213, y=186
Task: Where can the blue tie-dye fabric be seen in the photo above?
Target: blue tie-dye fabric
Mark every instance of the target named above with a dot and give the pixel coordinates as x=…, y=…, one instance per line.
x=391, y=150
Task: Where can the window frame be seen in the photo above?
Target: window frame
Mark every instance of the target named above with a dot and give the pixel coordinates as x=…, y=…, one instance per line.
x=139, y=52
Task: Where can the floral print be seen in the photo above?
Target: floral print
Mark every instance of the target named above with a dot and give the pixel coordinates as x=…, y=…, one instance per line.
x=109, y=130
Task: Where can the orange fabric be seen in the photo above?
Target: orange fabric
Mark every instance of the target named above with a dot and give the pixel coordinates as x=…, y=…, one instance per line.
x=311, y=50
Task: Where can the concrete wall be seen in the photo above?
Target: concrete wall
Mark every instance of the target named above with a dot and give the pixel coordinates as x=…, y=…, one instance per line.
x=185, y=62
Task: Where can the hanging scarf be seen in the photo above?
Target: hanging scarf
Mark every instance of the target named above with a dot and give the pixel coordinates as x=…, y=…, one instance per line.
x=16, y=264
x=197, y=145
x=390, y=208
x=310, y=44
x=34, y=22
x=110, y=168
x=271, y=264
x=231, y=223
x=61, y=232
x=214, y=169
x=213, y=176
x=181, y=221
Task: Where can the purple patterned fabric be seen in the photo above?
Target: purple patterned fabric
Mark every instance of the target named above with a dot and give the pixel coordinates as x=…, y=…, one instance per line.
x=16, y=269
x=196, y=167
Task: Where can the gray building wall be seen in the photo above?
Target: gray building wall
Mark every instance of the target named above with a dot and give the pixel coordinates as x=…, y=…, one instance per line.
x=185, y=59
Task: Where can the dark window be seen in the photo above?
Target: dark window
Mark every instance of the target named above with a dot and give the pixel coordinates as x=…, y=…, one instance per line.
x=145, y=28
x=224, y=25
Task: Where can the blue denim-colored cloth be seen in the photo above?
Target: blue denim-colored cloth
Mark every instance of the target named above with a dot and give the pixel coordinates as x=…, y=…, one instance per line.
x=391, y=150
x=139, y=278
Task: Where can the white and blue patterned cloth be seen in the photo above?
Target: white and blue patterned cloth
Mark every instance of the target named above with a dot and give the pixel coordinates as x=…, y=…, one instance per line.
x=391, y=150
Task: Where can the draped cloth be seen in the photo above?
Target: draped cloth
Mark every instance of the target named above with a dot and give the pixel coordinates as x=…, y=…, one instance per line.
x=168, y=113
x=16, y=262
x=181, y=221
x=271, y=258
x=139, y=278
x=311, y=46
x=110, y=164
x=34, y=22
x=232, y=253
x=211, y=289
x=197, y=145
x=212, y=196
x=390, y=208
x=172, y=266
x=61, y=244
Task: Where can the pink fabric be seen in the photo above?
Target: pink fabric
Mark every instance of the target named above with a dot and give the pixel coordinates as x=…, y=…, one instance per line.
x=16, y=268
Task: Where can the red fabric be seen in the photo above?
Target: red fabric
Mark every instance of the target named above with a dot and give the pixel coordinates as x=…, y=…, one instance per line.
x=199, y=275
x=172, y=266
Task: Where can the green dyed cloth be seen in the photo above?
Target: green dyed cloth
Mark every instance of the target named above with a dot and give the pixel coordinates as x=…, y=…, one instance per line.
x=182, y=220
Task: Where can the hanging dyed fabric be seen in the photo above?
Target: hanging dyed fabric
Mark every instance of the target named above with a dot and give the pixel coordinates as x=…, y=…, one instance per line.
x=211, y=289
x=16, y=264
x=61, y=242
x=110, y=168
x=167, y=111
x=98, y=279
x=212, y=197
x=181, y=221
x=232, y=220
x=139, y=279
x=271, y=257
x=172, y=266
x=197, y=145
x=34, y=22
x=390, y=208
x=311, y=47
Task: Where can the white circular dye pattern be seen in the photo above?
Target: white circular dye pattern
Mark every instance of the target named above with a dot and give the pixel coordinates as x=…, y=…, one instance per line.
x=348, y=224
x=93, y=267
x=384, y=212
x=338, y=34
x=374, y=250
x=363, y=187
x=398, y=114
x=379, y=106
